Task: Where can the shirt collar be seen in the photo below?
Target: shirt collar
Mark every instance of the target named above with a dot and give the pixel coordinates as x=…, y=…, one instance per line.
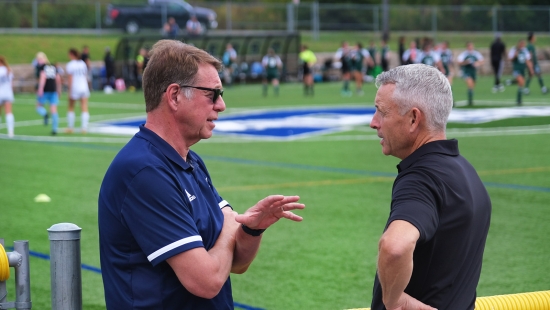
x=164, y=147
x=446, y=147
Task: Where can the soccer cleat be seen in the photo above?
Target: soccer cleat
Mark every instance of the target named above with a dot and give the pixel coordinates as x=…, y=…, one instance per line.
x=54, y=132
x=526, y=91
x=508, y=82
x=46, y=117
x=501, y=88
x=68, y=130
x=495, y=89
x=544, y=90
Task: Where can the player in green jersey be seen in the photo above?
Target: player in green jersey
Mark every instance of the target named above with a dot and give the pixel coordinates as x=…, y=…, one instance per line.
x=272, y=67
x=446, y=56
x=536, y=68
x=343, y=56
x=359, y=56
x=469, y=61
x=521, y=60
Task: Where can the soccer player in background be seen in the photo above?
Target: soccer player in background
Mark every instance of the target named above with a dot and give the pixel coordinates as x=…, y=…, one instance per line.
x=360, y=56
x=272, y=66
x=430, y=57
x=141, y=62
x=385, y=56
x=6, y=93
x=308, y=60
x=228, y=60
x=77, y=72
x=536, y=68
x=410, y=55
x=446, y=56
x=469, y=61
x=498, y=52
x=372, y=52
x=343, y=55
x=49, y=90
x=521, y=59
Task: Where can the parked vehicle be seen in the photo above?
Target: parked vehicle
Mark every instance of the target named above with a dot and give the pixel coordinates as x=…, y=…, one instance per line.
x=134, y=18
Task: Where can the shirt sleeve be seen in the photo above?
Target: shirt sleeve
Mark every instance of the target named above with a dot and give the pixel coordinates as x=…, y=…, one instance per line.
x=461, y=57
x=414, y=200
x=511, y=53
x=479, y=56
x=527, y=54
x=158, y=216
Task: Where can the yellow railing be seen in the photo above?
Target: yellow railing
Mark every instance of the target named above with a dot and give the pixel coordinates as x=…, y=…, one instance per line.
x=523, y=301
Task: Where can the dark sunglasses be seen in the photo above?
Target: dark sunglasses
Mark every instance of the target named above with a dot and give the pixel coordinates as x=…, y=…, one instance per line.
x=218, y=92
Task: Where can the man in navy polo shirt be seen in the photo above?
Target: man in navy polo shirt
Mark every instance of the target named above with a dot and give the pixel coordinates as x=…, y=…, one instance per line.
x=431, y=250
x=167, y=238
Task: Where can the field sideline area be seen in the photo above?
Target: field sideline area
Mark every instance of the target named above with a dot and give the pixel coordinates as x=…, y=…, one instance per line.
x=329, y=260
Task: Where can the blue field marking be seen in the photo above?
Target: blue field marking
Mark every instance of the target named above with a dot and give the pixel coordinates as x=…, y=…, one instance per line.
x=98, y=270
x=280, y=124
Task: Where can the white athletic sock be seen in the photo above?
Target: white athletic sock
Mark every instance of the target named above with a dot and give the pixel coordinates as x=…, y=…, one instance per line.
x=70, y=119
x=85, y=116
x=10, y=121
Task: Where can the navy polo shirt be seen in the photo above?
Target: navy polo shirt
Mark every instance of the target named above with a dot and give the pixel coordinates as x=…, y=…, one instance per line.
x=440, y=193
x=152, y=206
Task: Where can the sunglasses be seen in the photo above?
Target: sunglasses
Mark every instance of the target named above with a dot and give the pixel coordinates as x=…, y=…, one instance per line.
x=218, y=92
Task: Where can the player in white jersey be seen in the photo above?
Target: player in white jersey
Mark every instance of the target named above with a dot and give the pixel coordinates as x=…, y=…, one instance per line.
x=6, y=93
x=77, y=72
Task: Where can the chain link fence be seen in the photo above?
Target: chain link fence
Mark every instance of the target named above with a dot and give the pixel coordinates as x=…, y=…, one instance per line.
x=34, y=15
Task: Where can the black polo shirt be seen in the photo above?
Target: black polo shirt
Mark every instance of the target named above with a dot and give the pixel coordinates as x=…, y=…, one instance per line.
x=439, y=192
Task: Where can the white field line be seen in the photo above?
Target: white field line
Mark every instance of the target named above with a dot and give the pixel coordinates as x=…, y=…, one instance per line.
x=95, y=118
x=451, y=133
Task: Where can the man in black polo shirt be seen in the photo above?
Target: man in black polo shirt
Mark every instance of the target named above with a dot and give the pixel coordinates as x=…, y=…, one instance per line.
x=431, y=250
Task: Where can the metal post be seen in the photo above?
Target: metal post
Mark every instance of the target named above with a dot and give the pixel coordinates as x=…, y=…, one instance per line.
x=228, y=21
x=290, y=17
x=164, y=15
x=376, y=19
x=434, y=22
x=315, y=20
x=19, y=260
x=35, y=14
x=98, y=17
x=495, y=20
x=66, y=278
x=385, y=21
x=22, y=274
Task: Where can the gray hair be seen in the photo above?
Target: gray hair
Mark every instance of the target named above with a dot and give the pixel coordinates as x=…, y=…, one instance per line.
x=423, y=87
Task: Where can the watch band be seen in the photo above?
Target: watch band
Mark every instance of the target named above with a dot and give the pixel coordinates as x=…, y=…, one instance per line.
x=252, y=232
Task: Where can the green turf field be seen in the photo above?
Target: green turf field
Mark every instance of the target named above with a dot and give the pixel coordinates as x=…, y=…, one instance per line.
x=326, y=262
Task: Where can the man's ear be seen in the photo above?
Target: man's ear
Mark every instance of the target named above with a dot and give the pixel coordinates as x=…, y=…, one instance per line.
x=415, y=117
x=171, y=96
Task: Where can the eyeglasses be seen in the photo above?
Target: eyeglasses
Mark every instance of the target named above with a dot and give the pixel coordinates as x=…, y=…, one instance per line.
x=218, y=92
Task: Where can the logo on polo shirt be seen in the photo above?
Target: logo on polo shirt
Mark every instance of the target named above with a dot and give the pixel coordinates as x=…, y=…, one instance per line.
x=191, y=197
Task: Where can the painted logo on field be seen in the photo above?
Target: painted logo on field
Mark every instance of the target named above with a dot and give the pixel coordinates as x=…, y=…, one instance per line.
x=289, y=124
x=271, y=124
x=295, y=123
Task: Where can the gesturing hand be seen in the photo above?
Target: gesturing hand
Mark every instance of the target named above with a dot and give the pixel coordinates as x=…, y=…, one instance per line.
x=269, y=210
